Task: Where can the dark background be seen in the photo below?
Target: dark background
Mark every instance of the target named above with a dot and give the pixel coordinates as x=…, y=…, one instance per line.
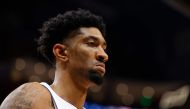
x=148, y=40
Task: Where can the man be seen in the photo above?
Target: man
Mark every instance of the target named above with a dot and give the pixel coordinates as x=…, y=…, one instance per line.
x=74, y=42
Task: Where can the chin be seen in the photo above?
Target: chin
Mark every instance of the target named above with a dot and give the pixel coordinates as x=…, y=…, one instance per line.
x=95, y=77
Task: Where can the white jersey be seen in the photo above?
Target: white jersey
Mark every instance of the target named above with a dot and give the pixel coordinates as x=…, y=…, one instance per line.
x=58, y=102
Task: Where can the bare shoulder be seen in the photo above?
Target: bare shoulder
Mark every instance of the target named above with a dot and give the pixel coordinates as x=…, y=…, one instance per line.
x=28, y=96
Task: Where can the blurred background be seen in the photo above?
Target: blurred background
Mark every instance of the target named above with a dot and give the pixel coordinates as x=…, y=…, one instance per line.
x=148, y=47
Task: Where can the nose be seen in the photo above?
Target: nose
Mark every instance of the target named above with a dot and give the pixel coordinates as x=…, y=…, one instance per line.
x=102, y=55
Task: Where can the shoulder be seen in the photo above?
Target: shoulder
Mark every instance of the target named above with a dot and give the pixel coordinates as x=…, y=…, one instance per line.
x=27, y=96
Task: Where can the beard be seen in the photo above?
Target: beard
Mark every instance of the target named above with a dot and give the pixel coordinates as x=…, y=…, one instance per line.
x=95, y=77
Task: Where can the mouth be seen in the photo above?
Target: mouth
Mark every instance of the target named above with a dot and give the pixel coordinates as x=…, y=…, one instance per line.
x=100, y=68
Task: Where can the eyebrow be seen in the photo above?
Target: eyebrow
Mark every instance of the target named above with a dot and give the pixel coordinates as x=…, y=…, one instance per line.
x=97, y=39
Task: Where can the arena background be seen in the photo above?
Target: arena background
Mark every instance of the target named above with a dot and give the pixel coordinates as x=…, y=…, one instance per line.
x=148, y=47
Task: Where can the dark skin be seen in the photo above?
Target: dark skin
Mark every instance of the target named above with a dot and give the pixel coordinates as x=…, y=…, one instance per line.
x=28, y=96
x=74, y=58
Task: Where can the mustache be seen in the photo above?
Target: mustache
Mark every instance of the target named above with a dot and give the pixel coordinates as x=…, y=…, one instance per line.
x=95, y=77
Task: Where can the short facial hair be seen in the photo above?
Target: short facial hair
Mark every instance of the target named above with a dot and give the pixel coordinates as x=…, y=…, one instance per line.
x=95, y=77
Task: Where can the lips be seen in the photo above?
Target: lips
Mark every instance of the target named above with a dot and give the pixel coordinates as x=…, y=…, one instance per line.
x=100, y=67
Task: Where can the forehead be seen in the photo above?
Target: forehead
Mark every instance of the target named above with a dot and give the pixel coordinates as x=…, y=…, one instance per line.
x=91, y=31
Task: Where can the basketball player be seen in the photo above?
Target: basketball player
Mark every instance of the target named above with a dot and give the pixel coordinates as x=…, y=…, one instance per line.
x=74, y=43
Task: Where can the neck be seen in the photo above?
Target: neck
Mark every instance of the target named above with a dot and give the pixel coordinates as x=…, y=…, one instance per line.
x=68, y=89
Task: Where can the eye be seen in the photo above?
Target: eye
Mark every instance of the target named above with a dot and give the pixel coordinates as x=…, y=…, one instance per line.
x=105, y=50
x=104, y=47
x=91, y=43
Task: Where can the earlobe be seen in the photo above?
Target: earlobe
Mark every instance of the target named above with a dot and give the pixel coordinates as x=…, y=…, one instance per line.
x=60, y=52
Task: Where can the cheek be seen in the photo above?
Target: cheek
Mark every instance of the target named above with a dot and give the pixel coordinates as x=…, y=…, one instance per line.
x=82, y=56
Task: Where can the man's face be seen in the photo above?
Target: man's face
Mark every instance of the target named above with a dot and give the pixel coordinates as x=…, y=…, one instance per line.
x=87, y=53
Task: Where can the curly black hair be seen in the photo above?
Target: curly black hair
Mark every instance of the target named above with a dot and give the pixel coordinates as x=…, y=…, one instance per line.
x=58, y=28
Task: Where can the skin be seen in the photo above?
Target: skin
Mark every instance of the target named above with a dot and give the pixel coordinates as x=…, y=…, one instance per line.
x=74, y=58
x=28, y=96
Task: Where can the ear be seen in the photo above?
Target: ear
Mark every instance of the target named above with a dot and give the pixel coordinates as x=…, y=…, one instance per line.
x=60, y=52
